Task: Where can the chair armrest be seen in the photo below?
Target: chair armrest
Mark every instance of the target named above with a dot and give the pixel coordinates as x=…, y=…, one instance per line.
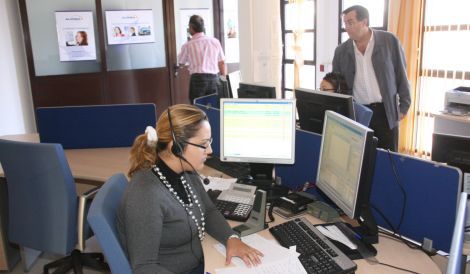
x=82, y=202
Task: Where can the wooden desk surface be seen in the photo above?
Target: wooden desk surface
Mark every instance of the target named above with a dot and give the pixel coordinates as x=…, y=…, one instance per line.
x=389, y=251
x=99, y=164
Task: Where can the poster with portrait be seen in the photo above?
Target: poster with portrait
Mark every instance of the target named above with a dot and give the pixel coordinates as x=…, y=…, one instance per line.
x=129, y=26
x=75, y=35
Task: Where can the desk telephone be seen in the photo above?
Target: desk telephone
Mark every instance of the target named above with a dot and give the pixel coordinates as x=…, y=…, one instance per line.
x=236, y=202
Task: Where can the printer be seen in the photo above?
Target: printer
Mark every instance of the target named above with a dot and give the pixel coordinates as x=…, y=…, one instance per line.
x=457, y=101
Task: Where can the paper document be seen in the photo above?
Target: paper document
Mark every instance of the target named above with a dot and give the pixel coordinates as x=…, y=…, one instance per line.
x=217, y=183
x=334, y=233
x=276, y=259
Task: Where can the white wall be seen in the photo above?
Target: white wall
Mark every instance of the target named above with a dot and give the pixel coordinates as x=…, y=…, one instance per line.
x=16, y=107
x=260, y=40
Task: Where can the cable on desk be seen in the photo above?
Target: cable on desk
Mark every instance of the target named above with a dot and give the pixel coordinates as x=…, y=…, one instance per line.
x=399, y=268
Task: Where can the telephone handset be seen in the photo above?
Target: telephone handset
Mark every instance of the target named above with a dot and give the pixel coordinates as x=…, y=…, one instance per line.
x=236, y=202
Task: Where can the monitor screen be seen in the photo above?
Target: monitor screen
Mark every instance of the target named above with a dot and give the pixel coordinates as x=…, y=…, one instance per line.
x=246, y=90
x=311, y=107
x=257, y=130
x=455, y=255
x=346, y=165
x=451, y=149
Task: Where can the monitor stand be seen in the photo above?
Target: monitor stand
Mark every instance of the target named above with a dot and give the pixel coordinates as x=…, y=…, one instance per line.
x=263, y=178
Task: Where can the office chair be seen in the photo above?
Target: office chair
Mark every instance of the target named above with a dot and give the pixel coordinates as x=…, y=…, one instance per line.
x=102, y=219
x=45, y=214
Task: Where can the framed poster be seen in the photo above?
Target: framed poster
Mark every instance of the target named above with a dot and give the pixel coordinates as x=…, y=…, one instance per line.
x=129, y=26
x=75, y=35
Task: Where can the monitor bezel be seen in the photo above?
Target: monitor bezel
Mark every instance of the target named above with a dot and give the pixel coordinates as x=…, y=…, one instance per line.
x=364, y=185
x=315, y=96
x=242, y=85
x=224, y=158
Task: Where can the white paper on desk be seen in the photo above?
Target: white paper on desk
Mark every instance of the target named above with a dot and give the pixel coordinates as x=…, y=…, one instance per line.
x=276, y=259
x=217, y=183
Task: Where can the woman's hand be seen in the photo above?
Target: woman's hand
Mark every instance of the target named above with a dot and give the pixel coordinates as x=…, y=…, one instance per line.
x=236, y=248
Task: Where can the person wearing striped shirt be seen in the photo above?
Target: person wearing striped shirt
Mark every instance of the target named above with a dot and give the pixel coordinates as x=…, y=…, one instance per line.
x=205, y=60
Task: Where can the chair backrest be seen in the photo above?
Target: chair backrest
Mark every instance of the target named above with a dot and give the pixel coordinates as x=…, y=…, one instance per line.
x=94, y=126
x=102, y=219
x=42, y=196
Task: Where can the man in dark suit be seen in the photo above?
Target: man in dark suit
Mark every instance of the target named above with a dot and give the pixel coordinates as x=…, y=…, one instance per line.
x=373, y=64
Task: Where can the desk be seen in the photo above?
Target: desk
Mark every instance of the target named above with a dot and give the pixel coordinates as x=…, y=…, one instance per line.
x=94, y=165
x=99, y=164
x=389, y=251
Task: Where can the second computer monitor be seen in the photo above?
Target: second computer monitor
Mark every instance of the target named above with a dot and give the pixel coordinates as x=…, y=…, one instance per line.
x=346, y=167
x=311, y=107
x=246, y=90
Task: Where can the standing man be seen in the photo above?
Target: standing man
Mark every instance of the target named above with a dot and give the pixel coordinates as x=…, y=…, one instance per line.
x=205, y=58
x=374, y=65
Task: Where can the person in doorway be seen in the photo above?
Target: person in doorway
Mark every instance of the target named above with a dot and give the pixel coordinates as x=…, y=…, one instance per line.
x=373, y=64
x=205, y=60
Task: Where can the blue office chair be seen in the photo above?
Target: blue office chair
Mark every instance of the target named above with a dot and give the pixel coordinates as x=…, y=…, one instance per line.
x=45, y=214
x=102, y=219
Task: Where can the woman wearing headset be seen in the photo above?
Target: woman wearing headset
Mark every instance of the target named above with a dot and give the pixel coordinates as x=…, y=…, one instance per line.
x=165, y=211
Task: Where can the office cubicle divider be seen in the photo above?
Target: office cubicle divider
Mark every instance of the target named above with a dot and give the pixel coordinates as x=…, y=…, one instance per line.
x=94, y=126
x=210, y=104
x=432, y=190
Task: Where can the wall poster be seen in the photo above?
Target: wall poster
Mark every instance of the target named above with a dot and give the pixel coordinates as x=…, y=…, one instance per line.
x=129, y=26
x=75, y=35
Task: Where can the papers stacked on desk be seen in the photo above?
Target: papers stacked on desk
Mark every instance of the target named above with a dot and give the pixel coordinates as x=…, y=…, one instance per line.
x=217, y=183
x=277, y=259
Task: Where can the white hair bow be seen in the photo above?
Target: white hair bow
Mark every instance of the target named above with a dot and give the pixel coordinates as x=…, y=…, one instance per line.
x=151, y=136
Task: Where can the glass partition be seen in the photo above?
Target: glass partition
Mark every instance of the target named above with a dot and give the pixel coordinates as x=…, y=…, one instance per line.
x=45, y=39
x=139, y=55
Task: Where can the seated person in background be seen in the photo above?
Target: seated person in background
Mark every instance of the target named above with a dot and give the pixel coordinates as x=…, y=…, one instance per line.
x=335, y=82
x=165, y=212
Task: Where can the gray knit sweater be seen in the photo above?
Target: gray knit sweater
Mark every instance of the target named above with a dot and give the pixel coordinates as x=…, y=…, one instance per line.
x=155, y=230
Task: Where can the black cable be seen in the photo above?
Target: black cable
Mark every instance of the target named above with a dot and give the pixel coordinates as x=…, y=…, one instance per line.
x=398, y=181
x=394, y=233
x=399, y=268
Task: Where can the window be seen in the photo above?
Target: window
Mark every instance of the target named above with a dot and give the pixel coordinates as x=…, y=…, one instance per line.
x=378, y=14
x=298, y=39
x=444, y=63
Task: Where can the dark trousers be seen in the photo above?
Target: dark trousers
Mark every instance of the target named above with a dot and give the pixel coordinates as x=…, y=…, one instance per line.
x=198, y=270
x=202, y=84
x=388, y=138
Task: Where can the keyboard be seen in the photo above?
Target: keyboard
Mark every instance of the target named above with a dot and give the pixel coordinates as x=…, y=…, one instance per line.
x=318, y=254
x=234, y=170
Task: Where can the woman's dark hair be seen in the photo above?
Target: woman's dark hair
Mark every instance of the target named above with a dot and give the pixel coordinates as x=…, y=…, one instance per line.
x=197, y=23
x=361, y=12
x=338, y=82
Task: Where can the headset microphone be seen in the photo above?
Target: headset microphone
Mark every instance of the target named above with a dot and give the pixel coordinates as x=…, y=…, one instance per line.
x=206, y=180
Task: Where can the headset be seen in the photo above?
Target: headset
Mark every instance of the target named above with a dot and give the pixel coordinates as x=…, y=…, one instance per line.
x=177, y=147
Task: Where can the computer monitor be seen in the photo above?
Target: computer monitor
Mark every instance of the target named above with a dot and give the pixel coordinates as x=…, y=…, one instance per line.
x=457, y=260
x=312, y=104
x=451, y=149
x=246, y=90
x=345, y=170
x=258, y=131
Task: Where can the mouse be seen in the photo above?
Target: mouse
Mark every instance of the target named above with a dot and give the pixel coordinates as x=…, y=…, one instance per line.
x=245, y=179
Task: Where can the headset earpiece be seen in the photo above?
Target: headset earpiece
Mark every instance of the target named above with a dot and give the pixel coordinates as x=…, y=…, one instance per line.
x=176, y=148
